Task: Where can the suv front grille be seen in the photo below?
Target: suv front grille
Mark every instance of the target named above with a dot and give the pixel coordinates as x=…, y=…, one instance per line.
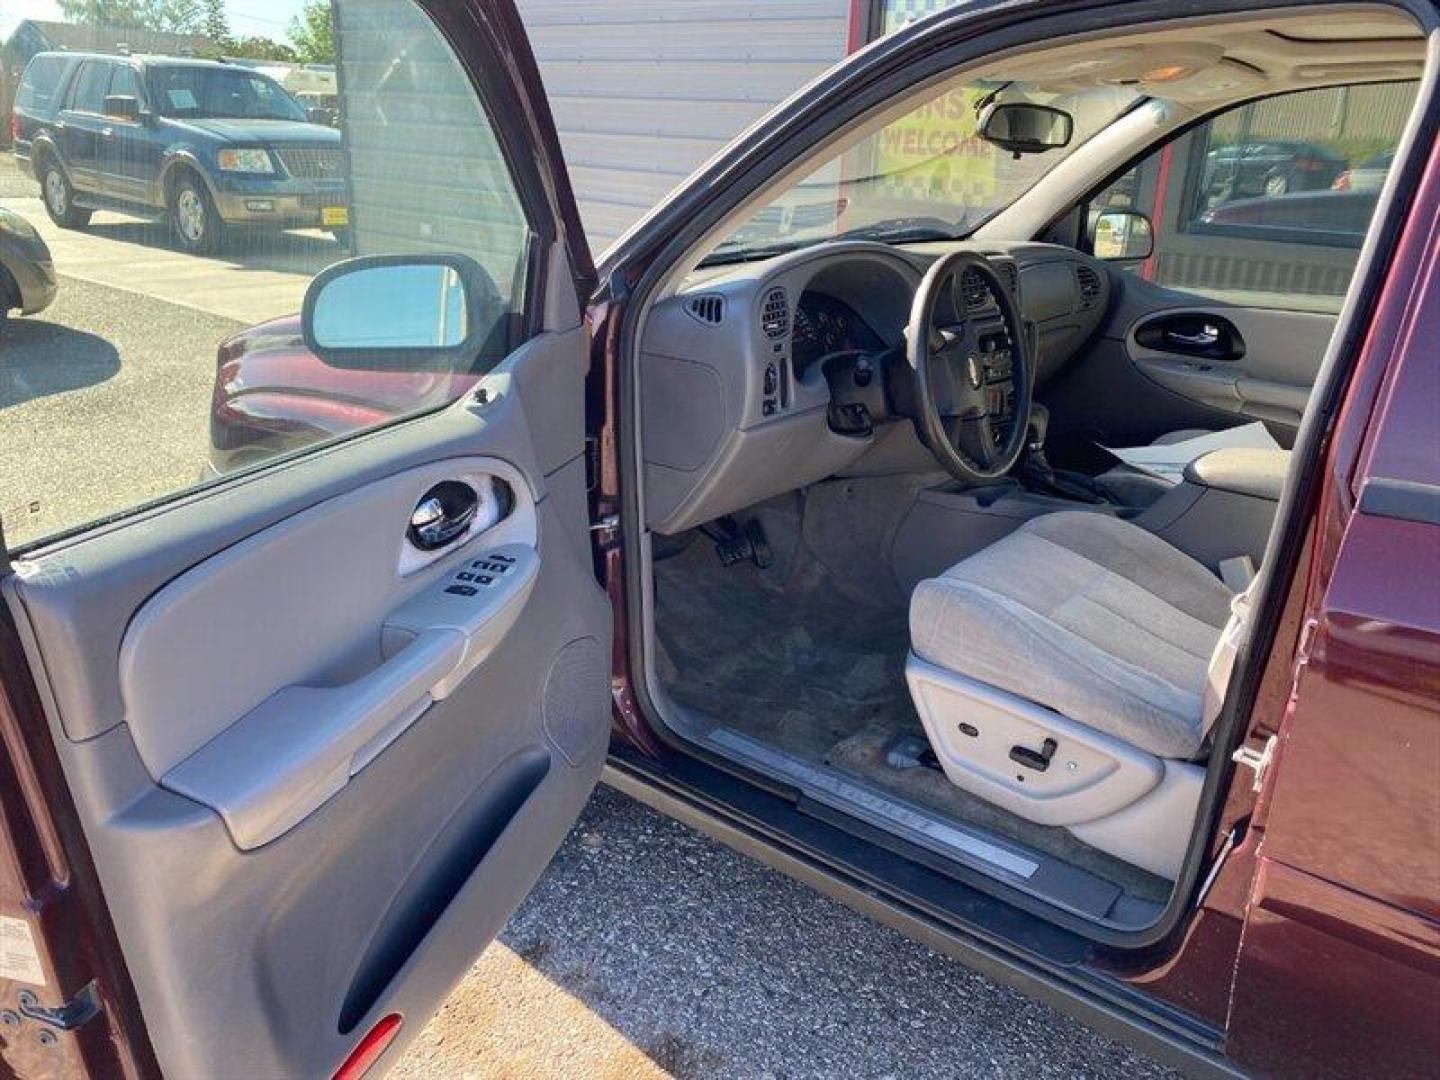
x=313, y=163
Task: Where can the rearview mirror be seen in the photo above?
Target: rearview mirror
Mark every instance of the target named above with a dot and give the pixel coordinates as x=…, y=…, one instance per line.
x=1024, y=128
x=123, y=106
x=397, y=312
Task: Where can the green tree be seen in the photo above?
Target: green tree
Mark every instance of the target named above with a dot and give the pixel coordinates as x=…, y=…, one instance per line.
x=311, y=33
x=174, y=16
x=260, y=48
x=217, y=23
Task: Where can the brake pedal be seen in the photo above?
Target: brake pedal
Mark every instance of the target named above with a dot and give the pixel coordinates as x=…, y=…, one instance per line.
x=734, y=544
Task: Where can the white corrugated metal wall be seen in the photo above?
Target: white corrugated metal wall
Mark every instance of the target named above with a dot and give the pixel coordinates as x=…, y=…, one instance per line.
x=646, y=90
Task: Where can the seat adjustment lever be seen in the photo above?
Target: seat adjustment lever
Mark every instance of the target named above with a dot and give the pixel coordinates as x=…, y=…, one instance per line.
x=1033, y=759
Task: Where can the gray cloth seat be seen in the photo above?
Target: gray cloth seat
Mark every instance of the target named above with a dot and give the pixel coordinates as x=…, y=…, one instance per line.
x=1087, y=615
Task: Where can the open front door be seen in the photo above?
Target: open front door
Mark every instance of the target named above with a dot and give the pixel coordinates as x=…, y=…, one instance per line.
x=326, y=719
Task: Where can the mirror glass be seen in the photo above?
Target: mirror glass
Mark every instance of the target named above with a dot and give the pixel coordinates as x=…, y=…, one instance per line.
x=1025, y=128
x=1119, y=235
x=409, y=306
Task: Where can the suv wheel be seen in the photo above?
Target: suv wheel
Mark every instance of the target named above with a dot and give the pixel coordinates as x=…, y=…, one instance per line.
x=60, y=198
x=197, y=224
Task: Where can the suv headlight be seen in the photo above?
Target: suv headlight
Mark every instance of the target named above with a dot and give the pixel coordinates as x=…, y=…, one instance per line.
x=246, y=161
x=16, y=225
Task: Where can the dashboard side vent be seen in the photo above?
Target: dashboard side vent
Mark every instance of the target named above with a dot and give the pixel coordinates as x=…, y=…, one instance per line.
x=1089, y=283
x=1011, y=273
x=775, y=314
x=709, y=309
x=975, y=289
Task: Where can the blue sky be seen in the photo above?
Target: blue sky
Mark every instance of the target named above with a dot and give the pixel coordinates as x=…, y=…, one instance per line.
x=268, y=17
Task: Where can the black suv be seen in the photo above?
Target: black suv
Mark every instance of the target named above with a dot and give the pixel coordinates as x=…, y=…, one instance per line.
x=209, y=145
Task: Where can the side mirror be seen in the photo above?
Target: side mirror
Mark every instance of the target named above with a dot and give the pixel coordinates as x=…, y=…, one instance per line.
x=1024, y=128
x=398, y=313
x=123, y=106
x=1121, y=236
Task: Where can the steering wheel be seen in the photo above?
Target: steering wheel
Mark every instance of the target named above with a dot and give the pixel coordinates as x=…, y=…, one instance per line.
x=968, y=409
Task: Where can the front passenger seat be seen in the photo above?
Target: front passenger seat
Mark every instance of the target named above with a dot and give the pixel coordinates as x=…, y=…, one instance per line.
x=1061, y=673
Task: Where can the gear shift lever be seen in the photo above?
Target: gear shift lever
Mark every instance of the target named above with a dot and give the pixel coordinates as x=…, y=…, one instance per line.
x=1038, y=472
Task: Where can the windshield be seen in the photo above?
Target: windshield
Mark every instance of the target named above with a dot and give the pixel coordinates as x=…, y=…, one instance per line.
x=927, y=175
x=206, y=93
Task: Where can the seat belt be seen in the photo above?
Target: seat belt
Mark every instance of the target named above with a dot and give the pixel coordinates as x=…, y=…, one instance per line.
x=1237, y=572
x=1222, y=660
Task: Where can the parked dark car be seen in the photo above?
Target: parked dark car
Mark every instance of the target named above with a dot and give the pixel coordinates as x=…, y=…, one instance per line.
x=1269, y=167
x=1335, y=217
x=27, y=272
x=206, y=145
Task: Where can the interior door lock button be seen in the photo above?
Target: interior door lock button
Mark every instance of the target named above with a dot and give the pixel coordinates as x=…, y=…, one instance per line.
x=462, y=590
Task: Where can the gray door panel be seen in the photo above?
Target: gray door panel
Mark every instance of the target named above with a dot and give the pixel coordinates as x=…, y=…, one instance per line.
x=1132, y=392
x=270, y=949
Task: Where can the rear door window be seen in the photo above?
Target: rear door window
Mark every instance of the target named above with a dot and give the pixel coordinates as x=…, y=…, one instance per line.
x=41, y=82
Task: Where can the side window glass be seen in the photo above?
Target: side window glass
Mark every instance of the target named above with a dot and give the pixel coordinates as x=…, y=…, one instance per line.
x=158, y=343
x=41, y=80
x=1271, y=200
x=124, y=83
x=90, y=88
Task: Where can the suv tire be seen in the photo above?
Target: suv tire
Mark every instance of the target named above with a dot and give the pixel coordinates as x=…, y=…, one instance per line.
x=197, y=224
x=58, y=194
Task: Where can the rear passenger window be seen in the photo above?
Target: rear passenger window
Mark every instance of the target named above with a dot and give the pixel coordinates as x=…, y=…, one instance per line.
x=41, y=81
x=168, y=349
x=1272, y=199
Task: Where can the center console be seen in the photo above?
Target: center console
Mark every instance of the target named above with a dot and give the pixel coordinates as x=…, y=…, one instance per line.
x=1224, y=506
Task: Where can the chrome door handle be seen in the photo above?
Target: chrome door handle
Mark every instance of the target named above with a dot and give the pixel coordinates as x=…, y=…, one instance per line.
x=443, y=515
x=1207, y=335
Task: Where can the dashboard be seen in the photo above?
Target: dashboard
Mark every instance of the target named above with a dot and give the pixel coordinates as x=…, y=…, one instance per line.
x=824, y=325
x=764, y=377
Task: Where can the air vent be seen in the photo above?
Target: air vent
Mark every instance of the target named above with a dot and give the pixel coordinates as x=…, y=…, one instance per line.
x=709, y=310
x=975, y=290
x=1089, y=282
x=775, y=314
x=1011, y=274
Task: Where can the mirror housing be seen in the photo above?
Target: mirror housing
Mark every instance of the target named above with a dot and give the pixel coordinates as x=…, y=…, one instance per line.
x=1025, y=128
x=123, y=106
x=1121, y=236
x=400, y=313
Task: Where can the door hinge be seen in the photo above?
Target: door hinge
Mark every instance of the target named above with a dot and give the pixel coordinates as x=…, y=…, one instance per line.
x=608, y=524
x=79, y=1010
x=1257, y=761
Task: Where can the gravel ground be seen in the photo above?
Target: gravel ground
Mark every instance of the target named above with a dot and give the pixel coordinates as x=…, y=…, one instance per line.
x=649, y=950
